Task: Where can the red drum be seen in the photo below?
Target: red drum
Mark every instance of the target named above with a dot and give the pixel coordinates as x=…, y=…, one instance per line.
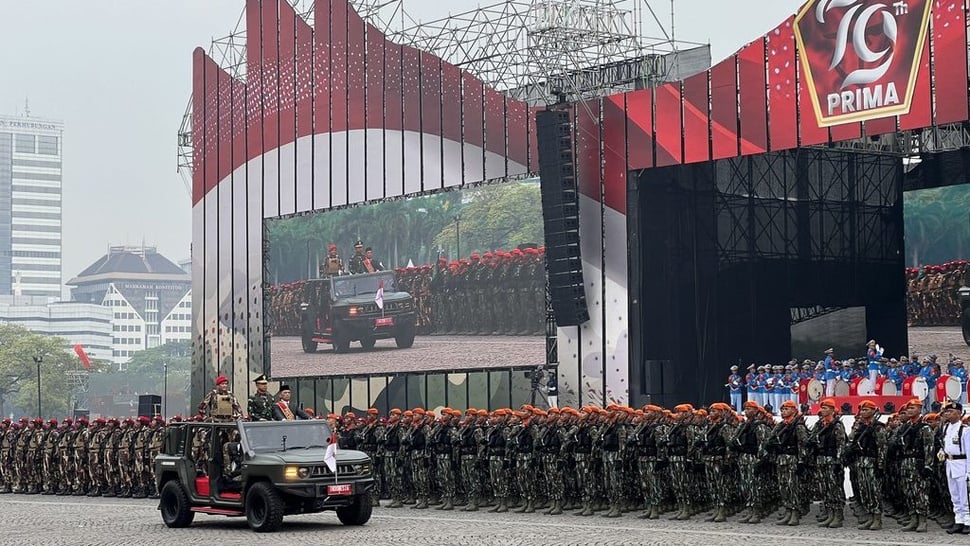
x=860, y=386
x=948, y=387
x=803, y=391
x=842, y=388
x=885, y=387
x=916, y=386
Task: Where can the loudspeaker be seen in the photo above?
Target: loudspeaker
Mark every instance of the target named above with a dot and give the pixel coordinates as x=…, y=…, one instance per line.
x=560, y=215
x=149, y=405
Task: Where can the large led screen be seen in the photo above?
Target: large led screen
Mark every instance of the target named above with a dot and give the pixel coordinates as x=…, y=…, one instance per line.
x=451, y=281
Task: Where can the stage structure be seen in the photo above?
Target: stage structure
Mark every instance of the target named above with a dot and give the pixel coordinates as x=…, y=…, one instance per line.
x=714, y=210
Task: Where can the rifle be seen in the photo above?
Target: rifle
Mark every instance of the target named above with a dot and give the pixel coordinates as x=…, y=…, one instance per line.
x=854, y=449
x=811, y=444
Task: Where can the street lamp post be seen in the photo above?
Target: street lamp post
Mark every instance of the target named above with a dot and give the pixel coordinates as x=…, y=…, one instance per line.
x=37, y=360
x=165, y=393
x=458, y=237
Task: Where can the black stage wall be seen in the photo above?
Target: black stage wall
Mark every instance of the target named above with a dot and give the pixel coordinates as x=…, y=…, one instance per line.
x=721, y=251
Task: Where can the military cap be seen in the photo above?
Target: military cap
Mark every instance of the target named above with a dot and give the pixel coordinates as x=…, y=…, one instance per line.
x=261, y=379
x=683, y=408
x=407, y=413
x=867, y=404
x=751, y=404
x=418, y=411
x=372, y=411
x=830, y=402
x=221, y=379
x=284, y=388
x=789, y=404
x=829, y=351
x=358, y=243
x=553, y=410
x=734, y=368
x=752, y=367
x=720, y=406
x=951, y=405
x=395, y=411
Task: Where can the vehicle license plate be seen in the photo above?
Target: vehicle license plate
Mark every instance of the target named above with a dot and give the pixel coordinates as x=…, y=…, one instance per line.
x=384, y=321
x=342, y=489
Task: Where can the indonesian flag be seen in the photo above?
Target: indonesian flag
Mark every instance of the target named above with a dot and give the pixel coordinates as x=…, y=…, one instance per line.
x=330, y=457
x=379, y=297
x=79, y=351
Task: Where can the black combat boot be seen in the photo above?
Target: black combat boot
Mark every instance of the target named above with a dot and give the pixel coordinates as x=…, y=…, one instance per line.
x=837, y=520
x=503, y=506
x=556, y=508
x=448, y=505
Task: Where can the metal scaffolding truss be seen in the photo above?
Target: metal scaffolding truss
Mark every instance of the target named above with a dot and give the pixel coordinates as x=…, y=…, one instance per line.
x=531, y=50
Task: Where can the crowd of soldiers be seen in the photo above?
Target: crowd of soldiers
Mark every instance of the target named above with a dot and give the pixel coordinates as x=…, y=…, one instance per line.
x=652, y=461
x=495, y=293
x=101, y=457
x=932, y=297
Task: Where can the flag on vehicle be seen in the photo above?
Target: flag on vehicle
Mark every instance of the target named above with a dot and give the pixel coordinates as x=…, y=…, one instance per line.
x=79, y=351
x=379, y=298
x=330, y=457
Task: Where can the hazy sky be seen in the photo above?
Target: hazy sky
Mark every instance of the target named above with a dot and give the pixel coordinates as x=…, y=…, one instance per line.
x=118, y=73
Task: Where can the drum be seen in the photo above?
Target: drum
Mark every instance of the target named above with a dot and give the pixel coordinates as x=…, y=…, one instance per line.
x=916, y=387
x=885, y=387
x=948, y=387
x=860, y=386
x=815, y=390
x=842, y=388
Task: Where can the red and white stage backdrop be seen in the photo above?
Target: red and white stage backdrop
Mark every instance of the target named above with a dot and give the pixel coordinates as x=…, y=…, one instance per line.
x=335, y=114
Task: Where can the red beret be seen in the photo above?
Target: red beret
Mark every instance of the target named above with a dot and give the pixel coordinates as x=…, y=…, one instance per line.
x=221, y=379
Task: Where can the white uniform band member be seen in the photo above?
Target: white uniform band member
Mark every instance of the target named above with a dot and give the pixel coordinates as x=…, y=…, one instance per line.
x=956, y=441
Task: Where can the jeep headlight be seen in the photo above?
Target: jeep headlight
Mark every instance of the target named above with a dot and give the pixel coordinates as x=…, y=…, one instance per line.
x=290, y=473
x=352, y=311
x=303, y=472
x=363, y=469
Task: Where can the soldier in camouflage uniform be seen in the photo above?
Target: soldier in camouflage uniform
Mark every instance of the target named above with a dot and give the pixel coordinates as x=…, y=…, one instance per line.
x=714, y=453
x=522, y=438
x=51, y=476
x=496, y=441
x=65, y=452
x=786, y=444
x=82, y=456
x=916, y=467
x=109, y=457
x=154, y=448
x=389, y=447
x=550, y=446
x=8, y=439
x=611, y=440
x=261, y=402
x=749, y=444
x=440, y=443
x=140, y=437
x=415, y=443
x=367, y=441
x=827, y=441
x=675, y=445
x=866, y=453
x=579, y=443
x=469, y=438
x=33, y=458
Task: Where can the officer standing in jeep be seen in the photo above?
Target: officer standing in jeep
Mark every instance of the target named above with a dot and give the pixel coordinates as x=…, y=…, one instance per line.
x=220, y=405
x=356, y=266
x=261, y=402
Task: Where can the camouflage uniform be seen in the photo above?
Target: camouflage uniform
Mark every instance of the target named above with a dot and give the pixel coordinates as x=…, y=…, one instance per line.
x=866, y=452
x=827, y=439
x=261, y=407
x=415, y=443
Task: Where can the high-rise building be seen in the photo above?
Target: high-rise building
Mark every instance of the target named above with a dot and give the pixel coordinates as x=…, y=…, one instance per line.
x=149, y=295
x=30, y=206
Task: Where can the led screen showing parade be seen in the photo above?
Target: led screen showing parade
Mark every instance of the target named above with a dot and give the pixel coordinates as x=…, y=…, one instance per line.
x=450, y=281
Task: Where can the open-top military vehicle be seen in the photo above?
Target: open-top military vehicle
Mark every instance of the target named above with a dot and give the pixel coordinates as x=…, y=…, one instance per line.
x=343, y=309
x=260, y=470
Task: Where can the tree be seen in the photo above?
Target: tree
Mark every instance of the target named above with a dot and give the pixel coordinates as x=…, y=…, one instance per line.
x=18, y=372
x=500, y=216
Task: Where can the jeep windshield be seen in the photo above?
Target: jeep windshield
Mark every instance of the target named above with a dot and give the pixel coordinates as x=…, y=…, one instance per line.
x=355, y=285
x=276, y=436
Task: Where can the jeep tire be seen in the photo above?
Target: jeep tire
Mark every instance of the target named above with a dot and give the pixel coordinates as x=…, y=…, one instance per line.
x=404, y=337
x=174, y=505
x=357, y=513
x=368, y=342
x=341, y=343
x=264, y=508
x=309, y=346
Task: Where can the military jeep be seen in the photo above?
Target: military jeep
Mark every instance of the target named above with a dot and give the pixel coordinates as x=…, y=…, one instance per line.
x=343, y=309
x=260, y=471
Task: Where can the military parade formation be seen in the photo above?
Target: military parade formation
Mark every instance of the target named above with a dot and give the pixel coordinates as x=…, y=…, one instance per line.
x=495, y=293
x=98, y=457
x=932, y=298
x=650, y=462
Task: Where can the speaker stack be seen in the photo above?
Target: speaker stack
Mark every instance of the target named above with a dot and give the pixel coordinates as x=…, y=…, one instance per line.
x=560, y=214
x=149, y=405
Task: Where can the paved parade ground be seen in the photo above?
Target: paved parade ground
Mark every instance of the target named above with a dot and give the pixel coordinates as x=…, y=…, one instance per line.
x=429, y=353
x=66, y=520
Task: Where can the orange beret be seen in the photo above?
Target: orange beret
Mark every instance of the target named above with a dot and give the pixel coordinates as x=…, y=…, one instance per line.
x=612, y=407
x=720, y=406
x=418, y=411
x=651, y=407
x=932, y=415
x=526, y=407
x=628, y=410
x=395, y=411
x=553, y=410
x=867, y=404
x=751, y=404
x=333, y=416
x=789, y=404
x=471, y=411
x=372, y=411
x=541, y=413
x=638, y=412
x=701, y=412
x=409, y=413
x=429, y=413
x=914, y=402
x=830, y=402
x=351, y=415
x=683, y=407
